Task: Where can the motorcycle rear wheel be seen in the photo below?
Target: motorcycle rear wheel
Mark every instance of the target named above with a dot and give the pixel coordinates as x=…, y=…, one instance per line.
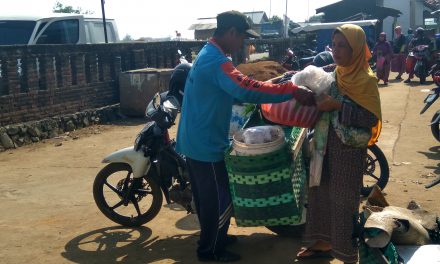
x=375, y=158
x=109, y=196
x=435, y=129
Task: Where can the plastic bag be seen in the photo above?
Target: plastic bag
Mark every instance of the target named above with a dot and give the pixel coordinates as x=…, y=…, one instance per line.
x=314, y=78
x=260, y=134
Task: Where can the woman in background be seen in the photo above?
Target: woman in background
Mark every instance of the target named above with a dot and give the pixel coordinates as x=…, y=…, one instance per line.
x=383, y=53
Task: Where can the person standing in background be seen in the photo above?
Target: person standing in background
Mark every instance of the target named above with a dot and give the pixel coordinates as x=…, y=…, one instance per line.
x=399, y=57
x=383, y=54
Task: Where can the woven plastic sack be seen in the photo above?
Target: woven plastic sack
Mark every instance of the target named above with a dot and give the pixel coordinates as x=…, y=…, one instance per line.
x=386, y=255
x=267, y=189
x=292, y=113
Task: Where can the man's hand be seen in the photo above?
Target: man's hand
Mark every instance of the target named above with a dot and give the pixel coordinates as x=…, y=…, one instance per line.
x=304, y=96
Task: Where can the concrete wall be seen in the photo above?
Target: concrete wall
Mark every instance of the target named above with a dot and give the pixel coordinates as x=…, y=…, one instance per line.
x=412, y=15
x=403, y=20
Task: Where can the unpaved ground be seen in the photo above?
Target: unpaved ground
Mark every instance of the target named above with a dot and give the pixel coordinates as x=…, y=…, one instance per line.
x=48, y=214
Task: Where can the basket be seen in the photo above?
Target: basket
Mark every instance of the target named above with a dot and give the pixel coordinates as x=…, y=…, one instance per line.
x=268, y=189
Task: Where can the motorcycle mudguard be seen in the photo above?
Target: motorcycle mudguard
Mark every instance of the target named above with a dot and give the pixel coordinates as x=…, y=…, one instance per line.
x=136, y=159
x=437, y=119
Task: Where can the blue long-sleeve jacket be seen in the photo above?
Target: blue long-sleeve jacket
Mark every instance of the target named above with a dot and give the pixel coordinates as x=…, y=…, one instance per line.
x=212, y=84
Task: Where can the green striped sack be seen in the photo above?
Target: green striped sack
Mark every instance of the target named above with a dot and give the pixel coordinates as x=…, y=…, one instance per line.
x=267, y=189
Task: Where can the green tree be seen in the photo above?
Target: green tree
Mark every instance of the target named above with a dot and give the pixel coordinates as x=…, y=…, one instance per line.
x=274, y=18
x=60, y=8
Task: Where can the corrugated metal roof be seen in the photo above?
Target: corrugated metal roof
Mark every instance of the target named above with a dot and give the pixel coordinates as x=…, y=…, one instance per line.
x=318, y=26
x=204, y=24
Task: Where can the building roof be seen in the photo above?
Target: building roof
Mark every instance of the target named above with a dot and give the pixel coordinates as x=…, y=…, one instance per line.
x=204, y=24
x=318, y=26
x=344, y=9
x=257, y=17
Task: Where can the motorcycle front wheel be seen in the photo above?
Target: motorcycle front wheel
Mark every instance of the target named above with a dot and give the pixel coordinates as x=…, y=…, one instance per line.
x=126, y=200
x=435, y=129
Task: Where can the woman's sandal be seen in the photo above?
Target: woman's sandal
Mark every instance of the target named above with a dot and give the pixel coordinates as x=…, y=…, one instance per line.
x=313, y=254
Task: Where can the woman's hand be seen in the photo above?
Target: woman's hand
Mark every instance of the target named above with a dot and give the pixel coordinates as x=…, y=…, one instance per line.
x=326, y=103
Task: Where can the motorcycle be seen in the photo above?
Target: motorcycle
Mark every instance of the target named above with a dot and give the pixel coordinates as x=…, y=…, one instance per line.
x=428, y=101
x=297, y=59
x=435, y=69
x=418, y=61
x=182, y=58
x=129, y=190
x=138, y=175
x=290, y=61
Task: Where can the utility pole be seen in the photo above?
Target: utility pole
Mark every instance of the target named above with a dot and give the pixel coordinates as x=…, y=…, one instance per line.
x=103, y=20
x=270, y=9
x=308, y=9
x=286, y=24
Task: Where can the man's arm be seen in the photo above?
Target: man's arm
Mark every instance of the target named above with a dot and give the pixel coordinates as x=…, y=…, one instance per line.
x=246, y=89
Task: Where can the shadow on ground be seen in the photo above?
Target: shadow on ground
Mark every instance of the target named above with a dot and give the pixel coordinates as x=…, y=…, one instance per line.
x=139, y=245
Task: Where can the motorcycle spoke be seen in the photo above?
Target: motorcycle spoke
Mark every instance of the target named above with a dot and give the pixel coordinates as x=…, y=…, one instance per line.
x=136, y=205
x=121, y=202
x=113, y=188
x=143, y=192
x=372, y=161
x=373, y=176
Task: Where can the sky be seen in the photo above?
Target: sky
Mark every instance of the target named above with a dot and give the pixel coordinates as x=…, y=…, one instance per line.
x=158, y=19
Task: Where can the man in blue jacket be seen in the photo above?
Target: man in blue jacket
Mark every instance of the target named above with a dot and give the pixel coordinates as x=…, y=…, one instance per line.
x=203, y=135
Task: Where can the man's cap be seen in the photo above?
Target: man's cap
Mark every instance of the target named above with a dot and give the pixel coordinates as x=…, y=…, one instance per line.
x=229, y=19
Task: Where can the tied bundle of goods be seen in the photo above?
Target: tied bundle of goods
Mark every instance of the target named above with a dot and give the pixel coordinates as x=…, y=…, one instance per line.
x=258, y=140
x=291, y=113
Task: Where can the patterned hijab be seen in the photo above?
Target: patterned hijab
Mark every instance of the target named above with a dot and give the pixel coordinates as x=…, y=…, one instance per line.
x=357, y=81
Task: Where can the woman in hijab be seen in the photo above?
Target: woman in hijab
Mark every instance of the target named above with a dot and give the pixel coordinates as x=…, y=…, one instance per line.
x=383, y=53
x=351, y=121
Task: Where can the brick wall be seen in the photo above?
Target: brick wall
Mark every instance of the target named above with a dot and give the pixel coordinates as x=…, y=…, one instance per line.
x=41, y=81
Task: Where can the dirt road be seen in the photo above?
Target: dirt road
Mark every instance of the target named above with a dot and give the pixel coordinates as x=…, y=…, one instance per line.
x=48, y=214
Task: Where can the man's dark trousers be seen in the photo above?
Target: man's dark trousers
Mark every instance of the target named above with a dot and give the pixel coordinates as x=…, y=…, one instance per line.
x=210, y=187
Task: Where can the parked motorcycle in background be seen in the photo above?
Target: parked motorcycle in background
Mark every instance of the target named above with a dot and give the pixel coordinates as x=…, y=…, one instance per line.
x=290, y=61
x=418, y=60
x=429, y=100
x=435, y=68
x=182, y=58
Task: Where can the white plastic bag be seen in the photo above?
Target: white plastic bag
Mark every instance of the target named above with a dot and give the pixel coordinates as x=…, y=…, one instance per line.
x=256, y=135
x=314, y=78
x=260, y=134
